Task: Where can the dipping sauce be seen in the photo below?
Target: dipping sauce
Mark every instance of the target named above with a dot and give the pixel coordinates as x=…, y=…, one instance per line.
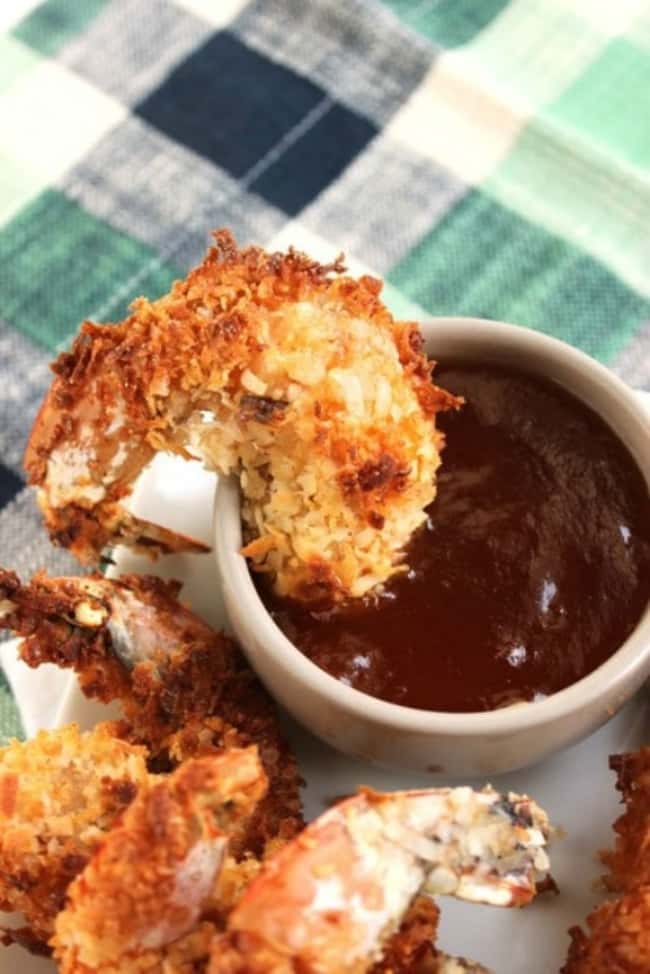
x=533, y=567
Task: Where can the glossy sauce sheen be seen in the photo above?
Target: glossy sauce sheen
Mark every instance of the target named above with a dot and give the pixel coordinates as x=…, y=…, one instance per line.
x=533, y=568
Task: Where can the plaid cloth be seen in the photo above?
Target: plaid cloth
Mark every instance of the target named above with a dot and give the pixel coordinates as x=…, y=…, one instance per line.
x=486, y=157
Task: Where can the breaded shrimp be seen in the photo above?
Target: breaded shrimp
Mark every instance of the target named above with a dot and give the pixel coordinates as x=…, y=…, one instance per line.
x=271, y=367
x=184, y=689
x=329, y=901
x=150, y=879
x=629, y=862
x=412, y=949
x=59, y=794
x=617, y=940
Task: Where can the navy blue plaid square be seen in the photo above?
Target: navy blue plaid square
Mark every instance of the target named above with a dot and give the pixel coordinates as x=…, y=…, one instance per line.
x=280, y=134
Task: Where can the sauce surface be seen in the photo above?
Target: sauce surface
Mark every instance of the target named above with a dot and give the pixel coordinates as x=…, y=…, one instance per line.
x=532, y=569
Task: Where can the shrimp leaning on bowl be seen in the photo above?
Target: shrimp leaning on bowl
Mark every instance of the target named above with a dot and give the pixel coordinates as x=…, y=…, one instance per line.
x=617, y=940
x=272, y=367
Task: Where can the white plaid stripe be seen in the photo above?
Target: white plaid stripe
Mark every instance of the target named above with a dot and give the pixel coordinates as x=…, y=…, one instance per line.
x=357, y=51
x=383, y=203
x=608, y=17
x=633, y=363
x=19, y=183
x=13, y=11
x=461, y=126
x=132, y=45
x=639, y=32
x=140, y=181
x=16, y=59
x=535, y=48
x=297, y=234
x=218, y=13
x=51, y=117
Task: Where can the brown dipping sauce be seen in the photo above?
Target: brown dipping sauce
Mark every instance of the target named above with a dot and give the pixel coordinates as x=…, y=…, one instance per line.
x=533, y=568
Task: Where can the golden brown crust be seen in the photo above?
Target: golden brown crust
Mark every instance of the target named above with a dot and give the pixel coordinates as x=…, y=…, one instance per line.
x=412, y=949
x=193, y=694
x=153, y=874
x=617, y=940
x=629, y=862
x=314, y=394
x=60, y=793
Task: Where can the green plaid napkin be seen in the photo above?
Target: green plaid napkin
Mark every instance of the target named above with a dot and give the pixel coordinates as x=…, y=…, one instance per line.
x=485, y=157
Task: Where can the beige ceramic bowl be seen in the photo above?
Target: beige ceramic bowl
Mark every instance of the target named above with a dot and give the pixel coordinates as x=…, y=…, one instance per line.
x=458, y=744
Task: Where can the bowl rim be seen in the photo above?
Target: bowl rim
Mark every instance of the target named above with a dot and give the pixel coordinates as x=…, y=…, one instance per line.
x=599, y=685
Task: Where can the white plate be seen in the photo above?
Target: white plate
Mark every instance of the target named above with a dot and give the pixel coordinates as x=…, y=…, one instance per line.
x=575, y=786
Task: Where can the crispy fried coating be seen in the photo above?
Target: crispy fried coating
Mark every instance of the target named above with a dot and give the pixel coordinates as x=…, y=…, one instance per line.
x=629, y=862
x=149, y=881
x=59, y=794
x=272, y=367
x=184, y=689
x=617, y=940
x=412, y=949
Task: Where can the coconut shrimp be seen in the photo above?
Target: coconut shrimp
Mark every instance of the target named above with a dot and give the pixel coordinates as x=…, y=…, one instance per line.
x=184, y=689
x=157, y=870
x=342, y=896
x=59, y=795
x=617, y=940
x=271, y=367
x=329, y=901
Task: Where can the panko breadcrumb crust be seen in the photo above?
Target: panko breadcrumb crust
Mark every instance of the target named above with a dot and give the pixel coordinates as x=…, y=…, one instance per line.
x=273, y=367
x=59, y=794
x=151, y=879
x=185, y=692
x=617, y=940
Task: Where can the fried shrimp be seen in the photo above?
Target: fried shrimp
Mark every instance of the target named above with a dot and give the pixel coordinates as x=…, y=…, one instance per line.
x=183, y=861
x=184, y=689
x=272, y=367
x=59, y=794
x=153, y=874
x=617, y=940
x=629, y=862
x=412, y=949
x=343, y=896
x=330, y=900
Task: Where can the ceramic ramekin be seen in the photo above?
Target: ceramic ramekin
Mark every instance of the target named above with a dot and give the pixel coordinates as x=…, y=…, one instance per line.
x=458, y=744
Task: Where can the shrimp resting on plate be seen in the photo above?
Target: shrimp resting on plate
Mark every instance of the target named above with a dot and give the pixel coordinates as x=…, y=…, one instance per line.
x=171, y=841
x=332, y=897
x=185, y=692
x=272, y=367
x=155, y=873
x=331, y=901
x=59, y=795
x=618, y=937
